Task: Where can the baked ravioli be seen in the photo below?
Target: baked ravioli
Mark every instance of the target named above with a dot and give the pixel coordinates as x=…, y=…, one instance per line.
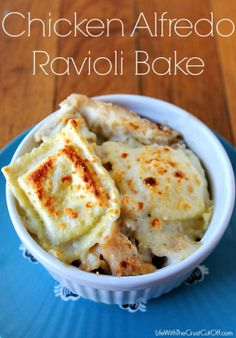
x=59, y=120
x=162, y=190
x=69, y=200
x=109, y=191
x=108, y=122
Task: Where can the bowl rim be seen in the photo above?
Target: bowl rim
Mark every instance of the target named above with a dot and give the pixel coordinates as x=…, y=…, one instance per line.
x=127, y=282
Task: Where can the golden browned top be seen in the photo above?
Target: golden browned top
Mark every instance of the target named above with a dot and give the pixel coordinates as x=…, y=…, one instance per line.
x=39, y=175
x=81, y=165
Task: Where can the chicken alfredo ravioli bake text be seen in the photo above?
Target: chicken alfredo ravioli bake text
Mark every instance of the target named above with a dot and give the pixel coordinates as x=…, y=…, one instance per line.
x=109, y=191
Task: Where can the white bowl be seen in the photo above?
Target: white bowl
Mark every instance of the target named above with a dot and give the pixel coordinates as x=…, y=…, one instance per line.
x=122, y=290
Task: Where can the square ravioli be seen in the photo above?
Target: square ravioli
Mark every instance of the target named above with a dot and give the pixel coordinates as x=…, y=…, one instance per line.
x=165, y=200
x=64, y=189
x=157, y=179
x=108, y=121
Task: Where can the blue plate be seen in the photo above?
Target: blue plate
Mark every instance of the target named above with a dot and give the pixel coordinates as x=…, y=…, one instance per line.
x=33, y=305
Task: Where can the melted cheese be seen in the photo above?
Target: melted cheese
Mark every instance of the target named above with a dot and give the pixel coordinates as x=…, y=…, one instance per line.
x=66, y=193
x=162, y=177
x=108, y=121
x=59, y=120
x=164, y=196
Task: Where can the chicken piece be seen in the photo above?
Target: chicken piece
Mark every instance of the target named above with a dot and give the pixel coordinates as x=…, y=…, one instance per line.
x=123, y=257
